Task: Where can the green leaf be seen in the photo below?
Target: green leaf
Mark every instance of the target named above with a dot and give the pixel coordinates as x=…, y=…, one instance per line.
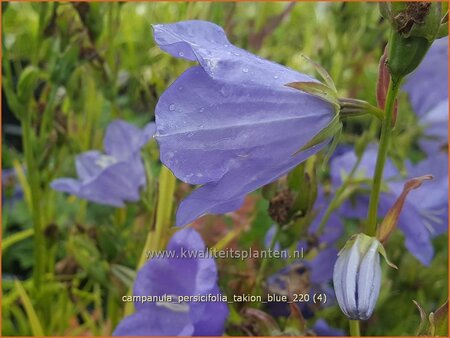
x=36, y=327
x=27, y=84
x=15, y=238
x=125, y=274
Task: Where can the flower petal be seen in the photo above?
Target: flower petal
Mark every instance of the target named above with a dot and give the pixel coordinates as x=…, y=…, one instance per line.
x=68, y=185
x=428, y=85
x=122, y=139
x=161, y=276
x=155, y=321
x=207, y=43
x=228, y=193
x=118, y=183
x=369, y=281
x=210, y=322
x=86, y=165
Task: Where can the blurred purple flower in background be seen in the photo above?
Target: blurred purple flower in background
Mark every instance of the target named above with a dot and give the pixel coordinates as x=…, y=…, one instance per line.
x=177, y=276
x=230, y=123
x=316, y=270
x=428, y=92
x=322, y=329
x=11, y=189
x=425, y=212
x=116, y=176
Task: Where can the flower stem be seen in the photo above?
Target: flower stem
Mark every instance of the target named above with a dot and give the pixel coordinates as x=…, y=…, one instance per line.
x=166, y=191
x=386, y=129
x=354, y=328
x=334, y=203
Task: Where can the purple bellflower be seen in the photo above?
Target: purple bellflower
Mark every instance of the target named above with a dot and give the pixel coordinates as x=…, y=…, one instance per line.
x=428, y=92
x=424, y=214
x=115, y=176
x=180, y=275
x=230, y=124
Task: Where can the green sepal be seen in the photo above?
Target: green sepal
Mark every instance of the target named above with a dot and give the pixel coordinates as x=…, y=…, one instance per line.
x=366, y=242
x=329, y=131
x=319, y=90
x=383, y=253
x=323, y=74
x=333, y=146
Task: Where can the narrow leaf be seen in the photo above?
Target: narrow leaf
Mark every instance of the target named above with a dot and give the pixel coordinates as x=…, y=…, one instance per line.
x=35, y=324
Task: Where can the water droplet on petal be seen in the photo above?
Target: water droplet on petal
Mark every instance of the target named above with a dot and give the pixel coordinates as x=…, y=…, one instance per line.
x=245, y=70
x=237, y=54
x=225, y=45
x=181, y=54
x=275, y=76
x=172, y=107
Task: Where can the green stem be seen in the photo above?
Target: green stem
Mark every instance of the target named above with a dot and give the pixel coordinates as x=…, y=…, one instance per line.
x=166, y=191
x=48, y=114
x=32, y=172
x=386, y=129
x=334, y=203
x=354, y=328
x=265, y=261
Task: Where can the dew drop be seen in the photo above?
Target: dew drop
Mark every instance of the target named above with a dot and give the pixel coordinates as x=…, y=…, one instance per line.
x=245, y=70
x=237, y=54
x=181, y=54
x=275, y=76
x=172, y=107
x=225, y=45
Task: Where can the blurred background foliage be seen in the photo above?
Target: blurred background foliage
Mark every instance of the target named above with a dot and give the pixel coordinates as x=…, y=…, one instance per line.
x=71, y=68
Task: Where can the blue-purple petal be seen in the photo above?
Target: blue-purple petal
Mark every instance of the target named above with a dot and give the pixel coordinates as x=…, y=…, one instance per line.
x=122, y=139
x=321, y=328
x=156, y=321
x=428, y=85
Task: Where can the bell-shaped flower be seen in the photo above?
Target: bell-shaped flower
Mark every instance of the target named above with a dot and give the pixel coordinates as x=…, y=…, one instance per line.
x=424, y=214
x=357, y=277
x=117, y=175
x=231, y=124
x=183, y=272
x=427, y=88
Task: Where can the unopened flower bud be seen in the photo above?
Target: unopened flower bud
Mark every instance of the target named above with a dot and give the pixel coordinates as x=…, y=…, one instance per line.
x=357, y=277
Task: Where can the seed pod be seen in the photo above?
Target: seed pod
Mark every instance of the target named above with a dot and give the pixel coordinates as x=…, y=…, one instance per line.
x=357, y=277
